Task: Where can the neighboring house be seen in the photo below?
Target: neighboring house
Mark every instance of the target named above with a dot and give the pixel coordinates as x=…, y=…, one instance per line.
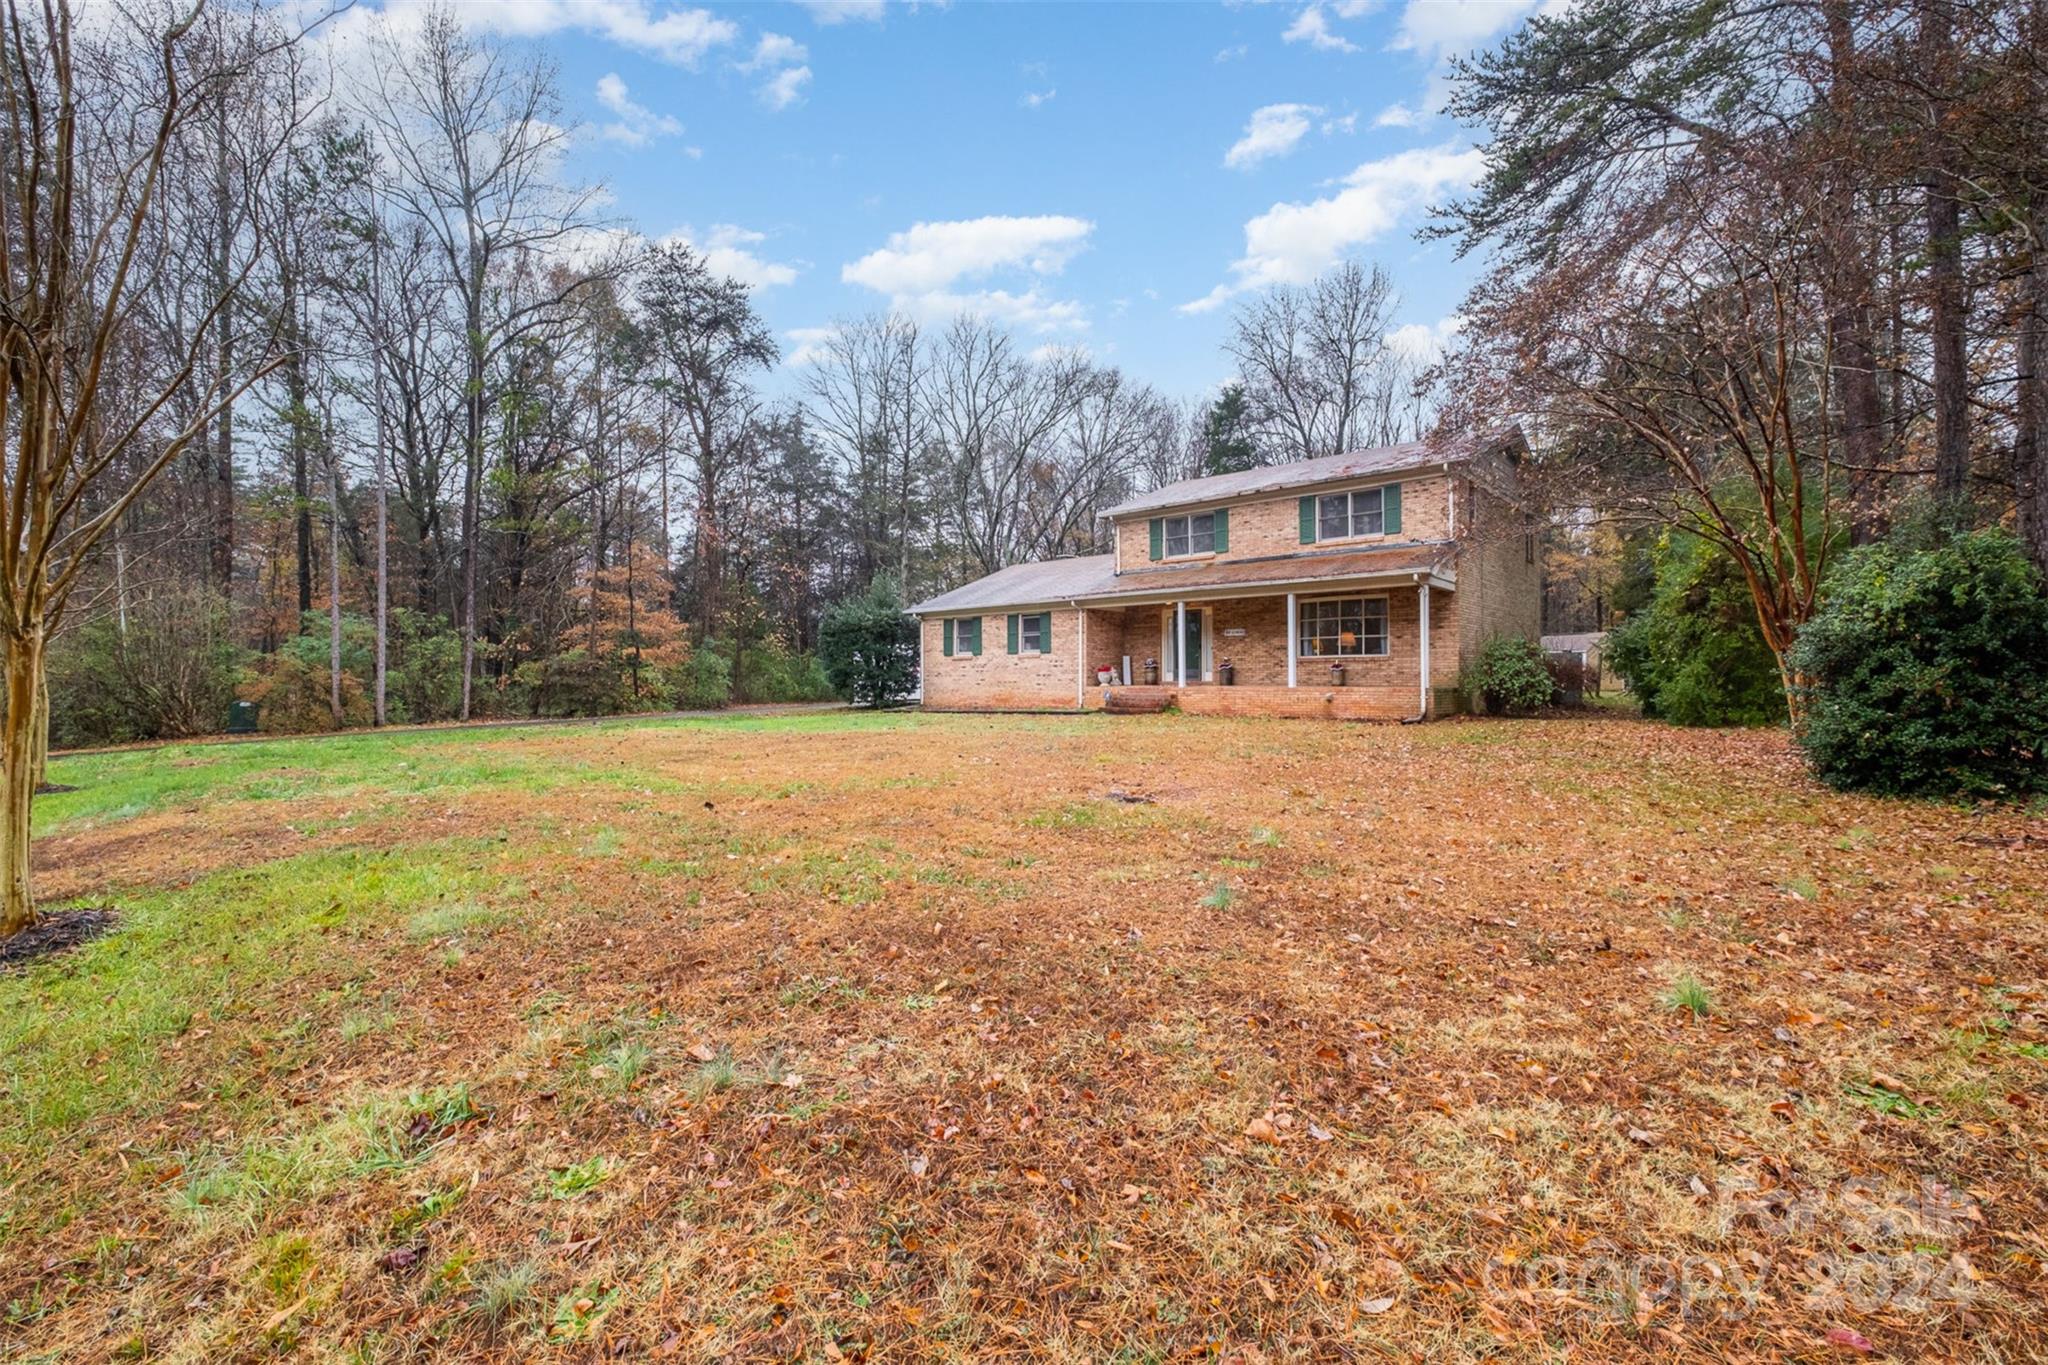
x=1394, y=564
x=1589, y=651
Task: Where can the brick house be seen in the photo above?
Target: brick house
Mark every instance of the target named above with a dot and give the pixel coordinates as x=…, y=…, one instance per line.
x=1355, y=586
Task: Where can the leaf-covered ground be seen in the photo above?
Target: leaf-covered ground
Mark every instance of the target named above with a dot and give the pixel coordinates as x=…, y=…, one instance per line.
x=949, y=1038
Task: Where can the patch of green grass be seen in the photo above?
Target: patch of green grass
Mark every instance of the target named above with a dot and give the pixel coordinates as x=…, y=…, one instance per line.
x=431, y=1206
x=1221, y=897
x=82, y=1036
x=622, y=1064
x=1679, y=918
x=1688, y=993
x=446, y=921
x=1890, y=1102
x=578, y=1179
x=1269, y=838
x=580, y=1310
x=717, y=1074
x=504, y=1293
x=1803, y=888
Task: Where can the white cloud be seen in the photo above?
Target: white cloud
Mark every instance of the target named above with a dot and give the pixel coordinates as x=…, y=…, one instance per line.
x=844, y=11
x=1274, y=130
x=1038, y=99
x=1293, y=243
x=1440, y=26
x=726, y=249
x=776, y=50
x=932, y=256
x=920, y=269
x=682, y=36
x=1398, y=115
x=785, y=87
x=1312, y=28
x=1425, y=342
x=1277, y=129
x=1231, y=54
x=636, y=125
x=808, y=344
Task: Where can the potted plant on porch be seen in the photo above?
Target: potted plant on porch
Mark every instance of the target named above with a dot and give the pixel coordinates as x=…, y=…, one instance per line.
x=1105, y=675
x=1226, y=672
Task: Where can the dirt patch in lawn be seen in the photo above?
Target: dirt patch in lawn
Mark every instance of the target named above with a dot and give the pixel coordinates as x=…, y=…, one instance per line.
x=906, y=1040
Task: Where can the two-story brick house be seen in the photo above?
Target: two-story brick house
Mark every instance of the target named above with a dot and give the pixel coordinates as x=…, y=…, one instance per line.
x=1353, y=586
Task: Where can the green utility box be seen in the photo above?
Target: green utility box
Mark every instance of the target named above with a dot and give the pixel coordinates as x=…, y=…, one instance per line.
x=242, y=718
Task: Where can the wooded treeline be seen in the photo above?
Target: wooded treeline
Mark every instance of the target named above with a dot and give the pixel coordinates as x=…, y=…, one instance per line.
x=532, y=455
x=1769, y=274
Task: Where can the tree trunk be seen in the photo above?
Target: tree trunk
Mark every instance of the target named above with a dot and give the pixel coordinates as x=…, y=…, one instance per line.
x=24, y=670
x=40, y=726
x=334, y=590
x=222, y=548
x=473, y=460
x=1852, y=347
x=2030, y=437
x=1947, y=306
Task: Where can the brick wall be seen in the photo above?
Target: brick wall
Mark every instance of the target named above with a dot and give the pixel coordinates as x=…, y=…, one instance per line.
x=997, y=680
x=1272, y=526
x=1500, y=589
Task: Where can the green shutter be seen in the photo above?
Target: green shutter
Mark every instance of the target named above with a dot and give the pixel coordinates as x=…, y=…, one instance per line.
x=1308, y=521
x=976, y=648
x=1158, y=536
x=1222, y=529
x=1013, y=632
x=1391, y=507
x=1045, y=632
x=948, y=623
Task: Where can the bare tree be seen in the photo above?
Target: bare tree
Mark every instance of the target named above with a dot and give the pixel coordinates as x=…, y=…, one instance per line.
x=89, y=123
x=1318, y=368
x=474, y=139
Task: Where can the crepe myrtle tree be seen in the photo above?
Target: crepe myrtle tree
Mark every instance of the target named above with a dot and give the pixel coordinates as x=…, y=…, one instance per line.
x=90, y=411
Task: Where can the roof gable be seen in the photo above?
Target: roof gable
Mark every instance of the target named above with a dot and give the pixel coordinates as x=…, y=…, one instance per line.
x=1355, y=464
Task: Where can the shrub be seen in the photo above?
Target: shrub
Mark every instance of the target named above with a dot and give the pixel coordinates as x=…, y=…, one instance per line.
x=770, y=672
x=869, y=647
x=1695, y=655
x=295, y=697
x=1926, y=671
x=1510, y=676
x=703, y=682
x=573, y=683
x=169, y=675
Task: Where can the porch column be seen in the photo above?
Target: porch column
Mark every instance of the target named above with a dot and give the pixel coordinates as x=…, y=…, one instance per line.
x=1293, y=637
x=1423, y=652
x=1081, y=658
x=1180, y=641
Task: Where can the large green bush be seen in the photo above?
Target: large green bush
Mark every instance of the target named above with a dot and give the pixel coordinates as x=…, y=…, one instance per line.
x=1926, y=671
x=168, y=673
x=869, y=647
x=1694, y=654
x=1510, y=676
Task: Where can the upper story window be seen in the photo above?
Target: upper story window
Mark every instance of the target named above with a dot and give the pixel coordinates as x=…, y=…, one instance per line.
x=1191, y=535
x=1359, y=513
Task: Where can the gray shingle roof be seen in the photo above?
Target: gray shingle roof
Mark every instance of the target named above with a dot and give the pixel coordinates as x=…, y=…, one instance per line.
x=1356, y=464
x=1027, y=585
x=1094, y=578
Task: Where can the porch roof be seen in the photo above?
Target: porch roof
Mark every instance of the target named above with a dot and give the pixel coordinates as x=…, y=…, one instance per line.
x=1092, y=580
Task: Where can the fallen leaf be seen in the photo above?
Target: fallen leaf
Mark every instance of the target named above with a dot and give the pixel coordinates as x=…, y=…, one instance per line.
x=1262, y=1130
x=1850, y=1340
x=1376, y=1306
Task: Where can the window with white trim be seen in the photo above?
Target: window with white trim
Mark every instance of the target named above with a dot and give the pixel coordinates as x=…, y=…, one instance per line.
x=1031, y=634
x=1191, y=535
x=967, y=635
x=1343, y=627
x=1359, y=513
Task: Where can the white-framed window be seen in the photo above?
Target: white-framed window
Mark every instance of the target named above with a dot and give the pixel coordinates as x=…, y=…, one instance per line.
x=1343, y=627
x=1031, y=634
x=967, y=635
x=1360, y=513
x=1190, y=535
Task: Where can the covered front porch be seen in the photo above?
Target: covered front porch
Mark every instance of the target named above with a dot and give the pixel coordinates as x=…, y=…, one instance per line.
x=1355, y=651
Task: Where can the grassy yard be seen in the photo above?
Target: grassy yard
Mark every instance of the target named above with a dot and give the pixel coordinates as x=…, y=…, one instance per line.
x=847, y=1037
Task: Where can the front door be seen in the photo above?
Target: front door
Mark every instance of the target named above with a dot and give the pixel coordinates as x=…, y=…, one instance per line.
x=1195, y=641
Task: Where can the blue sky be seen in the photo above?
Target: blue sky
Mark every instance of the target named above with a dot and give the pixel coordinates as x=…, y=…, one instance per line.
x=1106, y=175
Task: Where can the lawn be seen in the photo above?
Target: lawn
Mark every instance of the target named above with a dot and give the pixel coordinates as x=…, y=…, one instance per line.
x=910, y=1037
